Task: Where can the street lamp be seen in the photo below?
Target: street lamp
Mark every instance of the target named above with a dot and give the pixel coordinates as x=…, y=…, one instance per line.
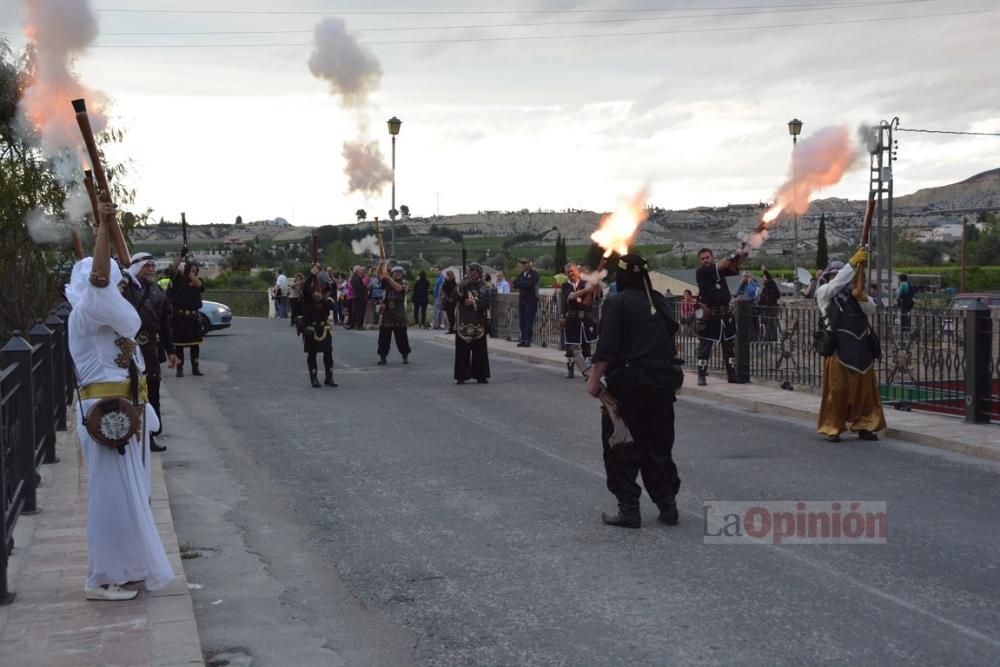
x=794, y=128
x=394, y=124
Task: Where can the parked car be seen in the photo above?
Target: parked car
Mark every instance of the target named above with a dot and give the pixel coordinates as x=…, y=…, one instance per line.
x=215, y=316
x=961, y=302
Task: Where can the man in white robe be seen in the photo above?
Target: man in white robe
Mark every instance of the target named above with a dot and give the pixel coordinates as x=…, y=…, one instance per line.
x=123, y=543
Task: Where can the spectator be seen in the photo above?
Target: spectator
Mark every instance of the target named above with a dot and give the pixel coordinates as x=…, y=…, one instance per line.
x=904, y=299
x=281, y=295
x=503, y=285
x=421, y=288
x=359, y=287
x=767, y=302
x=526, y=284
x=438, y=299
x=688, y=304
x=747, y=291
x=295, y=297
x=449, y=298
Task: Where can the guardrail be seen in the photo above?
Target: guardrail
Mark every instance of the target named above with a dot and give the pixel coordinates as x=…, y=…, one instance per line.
x=243, y=303
x=36, y=386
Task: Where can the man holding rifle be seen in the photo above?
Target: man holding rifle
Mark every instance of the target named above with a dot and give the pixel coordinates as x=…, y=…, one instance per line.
x=636, y=357
x=155, y=337
x=392, y=313
x=713, y=316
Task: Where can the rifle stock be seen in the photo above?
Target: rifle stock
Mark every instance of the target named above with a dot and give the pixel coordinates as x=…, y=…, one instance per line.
x=866, y=228
x=103, y=190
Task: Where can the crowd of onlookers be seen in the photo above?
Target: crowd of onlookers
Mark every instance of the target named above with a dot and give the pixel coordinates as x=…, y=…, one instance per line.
x=433, y=297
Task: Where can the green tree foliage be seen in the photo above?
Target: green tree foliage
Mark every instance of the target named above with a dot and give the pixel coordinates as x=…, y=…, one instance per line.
x=361, y=215
x=822, y=248
x=559, y=258
x=241, y=260
x=447, y=232
x=404, y=211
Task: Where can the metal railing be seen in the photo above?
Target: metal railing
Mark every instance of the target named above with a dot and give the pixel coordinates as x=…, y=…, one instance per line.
x=36, y=386
x=243, y=303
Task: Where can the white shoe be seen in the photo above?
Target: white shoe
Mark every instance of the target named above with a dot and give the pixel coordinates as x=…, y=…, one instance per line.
x=113, y=593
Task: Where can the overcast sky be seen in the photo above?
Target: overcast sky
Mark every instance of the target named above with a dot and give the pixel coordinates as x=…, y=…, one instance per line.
x=693, y=99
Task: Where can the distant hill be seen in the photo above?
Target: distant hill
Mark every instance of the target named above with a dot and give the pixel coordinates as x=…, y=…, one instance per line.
x=685, y=231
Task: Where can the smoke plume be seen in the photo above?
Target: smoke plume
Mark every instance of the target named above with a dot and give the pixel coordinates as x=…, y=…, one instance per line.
x=366, y=246
x=366, y=172
x=353, y=73
x=44, y=228
x=58, y=32
x=351, y=70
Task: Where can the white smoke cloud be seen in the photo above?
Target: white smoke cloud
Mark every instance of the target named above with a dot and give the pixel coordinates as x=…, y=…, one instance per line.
x=352, y=73
x=337, y=58
x=366, y=170
x=366, y=246
x=44, y=228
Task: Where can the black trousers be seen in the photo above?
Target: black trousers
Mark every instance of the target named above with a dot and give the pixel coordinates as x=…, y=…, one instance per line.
x=195, y=353
x=449, y=311
x=420, y=314
x=327, y=360
x=649, y=415
x=705, y=351
x=358, y=313
x=526, y=311
x=151, y=357
x=385, y=335
x=472, y=360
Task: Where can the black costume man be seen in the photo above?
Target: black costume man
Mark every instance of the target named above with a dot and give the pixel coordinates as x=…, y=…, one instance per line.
x=155, y=337
x=471, y=356
x=715, y=321
x=636, y=356
x=579, y=328
x=314, y=326
x=392, y=310
x=185, y=296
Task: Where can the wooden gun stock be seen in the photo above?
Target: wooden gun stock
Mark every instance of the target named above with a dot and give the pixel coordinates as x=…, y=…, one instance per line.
x=103, y=190
x=866, y=228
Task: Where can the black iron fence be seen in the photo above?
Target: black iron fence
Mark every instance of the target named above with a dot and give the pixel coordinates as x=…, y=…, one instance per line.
x=36, y=386
x=936, y=360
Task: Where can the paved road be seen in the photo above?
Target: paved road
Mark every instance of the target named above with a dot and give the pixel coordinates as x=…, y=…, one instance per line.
x=401, y=519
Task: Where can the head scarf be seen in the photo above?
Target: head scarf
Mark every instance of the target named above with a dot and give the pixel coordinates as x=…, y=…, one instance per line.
x=835, y=266
x=633, y=271
x=139, y=259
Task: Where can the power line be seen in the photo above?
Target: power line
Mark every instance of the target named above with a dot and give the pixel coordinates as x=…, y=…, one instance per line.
x=467, y=12
x=780, y=26
x=645, y=19
x=971, y=134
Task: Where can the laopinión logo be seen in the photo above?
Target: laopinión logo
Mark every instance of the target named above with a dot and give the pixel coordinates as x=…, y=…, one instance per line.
x=796, y=522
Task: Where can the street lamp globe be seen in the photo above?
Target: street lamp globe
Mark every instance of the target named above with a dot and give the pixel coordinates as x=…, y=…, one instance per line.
x=394, y=124
x=794, y=127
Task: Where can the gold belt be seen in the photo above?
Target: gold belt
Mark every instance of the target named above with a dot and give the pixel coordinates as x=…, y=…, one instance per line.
x=121, y=389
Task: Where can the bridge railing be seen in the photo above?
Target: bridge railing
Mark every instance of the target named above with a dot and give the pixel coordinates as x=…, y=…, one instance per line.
x=36, y=386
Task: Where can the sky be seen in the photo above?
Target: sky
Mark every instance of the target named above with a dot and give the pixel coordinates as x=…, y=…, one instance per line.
x=541, y=104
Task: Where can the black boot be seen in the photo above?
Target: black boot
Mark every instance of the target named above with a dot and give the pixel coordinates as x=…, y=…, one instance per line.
x=668, y=512
x=194, y=369
x=314, y=380
x=628, y=516
x=154, y=446
x=405, y=359
x=381, y=360
x=569, y=370
x=329, y=379
x=180, y=370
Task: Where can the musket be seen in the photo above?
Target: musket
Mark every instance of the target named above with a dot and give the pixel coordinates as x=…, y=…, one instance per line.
x=866, y=228
x=315, y=248
x=465, y=260
x=184, y=235
x=620, y=435
x=378, y=236
x=88, y=183
x=103, y=190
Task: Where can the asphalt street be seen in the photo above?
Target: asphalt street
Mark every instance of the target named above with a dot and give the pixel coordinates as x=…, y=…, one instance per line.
x=402, y=519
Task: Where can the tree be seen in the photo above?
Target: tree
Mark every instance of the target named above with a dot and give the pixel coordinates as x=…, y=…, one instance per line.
x=241, y=259
x=593, y=256
x=404, y=211
x=822, y=249
x=239, y=220
x=560, y=260
x=361, y=215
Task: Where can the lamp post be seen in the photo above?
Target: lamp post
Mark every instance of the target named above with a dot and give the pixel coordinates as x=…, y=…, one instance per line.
x=394, y=124
x=794, y=128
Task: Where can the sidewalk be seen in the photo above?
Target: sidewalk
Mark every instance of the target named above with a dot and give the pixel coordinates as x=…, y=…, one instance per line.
x=923, y=428
x=51, y=624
